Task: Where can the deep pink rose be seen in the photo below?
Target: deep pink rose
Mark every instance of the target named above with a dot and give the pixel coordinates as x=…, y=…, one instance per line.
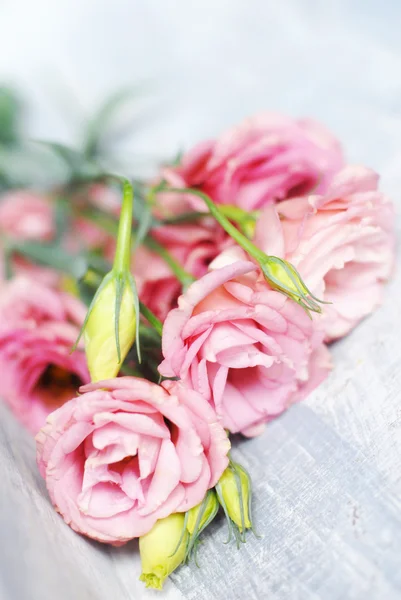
x=38, y=327
x=128, y=452
x=266, y=158
x=342, y=243
x=248, y=350
x=157, y=287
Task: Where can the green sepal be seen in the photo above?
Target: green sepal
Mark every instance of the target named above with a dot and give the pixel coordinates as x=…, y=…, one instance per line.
x=106, y=279
x=134, y=289
x=239, y=532
x=193, y=538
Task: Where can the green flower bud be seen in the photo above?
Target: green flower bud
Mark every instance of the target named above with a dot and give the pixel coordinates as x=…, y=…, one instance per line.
x=234, y=491
x=111, y=326
x=111, y=323
x=162, y=550
x=284, y=277
x=201, y=515
x=197, y=519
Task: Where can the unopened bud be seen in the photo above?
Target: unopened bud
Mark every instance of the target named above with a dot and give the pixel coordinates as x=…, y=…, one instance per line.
x=162, y=550
x=112, y=319
x=201, y=515
x=111, y=326
x=197, y=519
x=234, y=491
x=284, y=277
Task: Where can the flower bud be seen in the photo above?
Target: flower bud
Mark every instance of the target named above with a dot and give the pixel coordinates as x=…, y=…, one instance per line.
x=112, y=319
x=162, y=550
x=201, y=515
x=197, y=519
x=284, y=277
x=110, y=328
x=234, y=492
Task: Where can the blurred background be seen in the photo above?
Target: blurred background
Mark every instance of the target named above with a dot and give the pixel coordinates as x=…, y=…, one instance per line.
x=201, y=66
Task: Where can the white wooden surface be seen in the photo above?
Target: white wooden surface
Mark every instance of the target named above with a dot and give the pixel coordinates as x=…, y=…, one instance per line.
x=327, y=475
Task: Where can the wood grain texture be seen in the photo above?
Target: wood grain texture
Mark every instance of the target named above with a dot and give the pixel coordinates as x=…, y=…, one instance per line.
x=327, y=475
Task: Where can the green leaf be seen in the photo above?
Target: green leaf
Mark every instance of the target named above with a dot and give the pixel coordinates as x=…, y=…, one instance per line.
x=10, y=110
x=52, y=256
x=145, y=222
x=79, y=166
x=99, y=126
x=30, y=165
x=62, y=216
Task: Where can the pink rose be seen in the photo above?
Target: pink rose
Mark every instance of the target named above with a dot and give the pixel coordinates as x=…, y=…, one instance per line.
x=193, y=246
x=105, y=198
x=128, y=452
x=157, y=287
x=248, y=350
x=266, y=158
x=342, y=243
x=85, y=233
x=38, y=327
x=25, y=215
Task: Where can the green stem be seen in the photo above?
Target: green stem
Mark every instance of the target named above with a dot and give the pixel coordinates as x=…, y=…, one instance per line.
x=279, y=273
x=153, y=320
x=232, y=231
x=188, y=217
x=109, y=224
x=183, y=276
x=122, y=257
x=233, y=213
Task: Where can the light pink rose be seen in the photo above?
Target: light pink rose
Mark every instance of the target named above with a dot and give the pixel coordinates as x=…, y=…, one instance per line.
x=85, y=234
x=25, y=215
x=106, y=198
x=250, y=351
x=342, y=243
x=266, y=158
x=128, y=452
x=193, y=246
x=38, y=327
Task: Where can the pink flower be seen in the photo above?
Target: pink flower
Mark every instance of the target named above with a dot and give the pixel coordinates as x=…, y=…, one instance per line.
x=157, y=287
x=85, y=233
x=105, y=198
x=128, y=452
x=193, y=246
x=248, y=350
x=38, y=327
x=25, y=215
x=342, y=243
x=266, y=158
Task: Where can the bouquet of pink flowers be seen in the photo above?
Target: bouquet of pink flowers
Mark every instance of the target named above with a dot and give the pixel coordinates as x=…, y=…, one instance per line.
x=137, y=336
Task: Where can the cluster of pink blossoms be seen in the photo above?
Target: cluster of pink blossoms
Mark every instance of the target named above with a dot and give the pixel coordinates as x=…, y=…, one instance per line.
x=127, y=451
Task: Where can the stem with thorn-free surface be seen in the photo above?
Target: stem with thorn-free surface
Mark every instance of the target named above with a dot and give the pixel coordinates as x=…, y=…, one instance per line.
x=122, y=258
